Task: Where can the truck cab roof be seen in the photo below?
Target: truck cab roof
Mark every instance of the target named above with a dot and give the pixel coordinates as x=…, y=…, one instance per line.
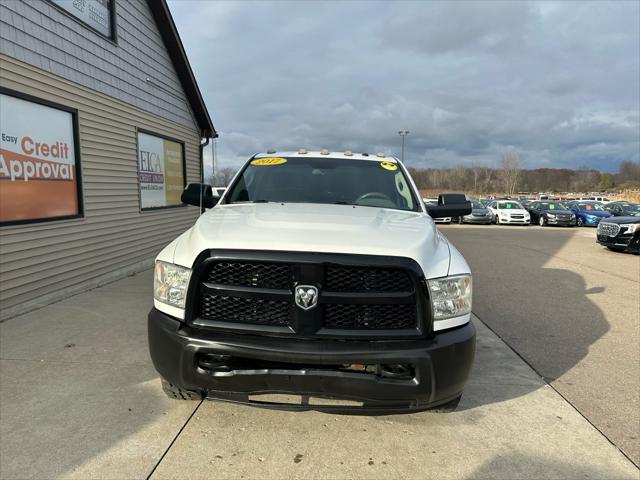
x=347, y=155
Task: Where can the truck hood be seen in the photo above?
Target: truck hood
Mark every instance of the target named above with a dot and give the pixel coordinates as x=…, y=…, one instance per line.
x=315, y=228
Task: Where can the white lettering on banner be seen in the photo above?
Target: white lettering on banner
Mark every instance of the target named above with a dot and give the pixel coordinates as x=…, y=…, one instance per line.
x=18, y=169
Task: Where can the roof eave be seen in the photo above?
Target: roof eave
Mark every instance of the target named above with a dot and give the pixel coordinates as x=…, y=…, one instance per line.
x=169, y=32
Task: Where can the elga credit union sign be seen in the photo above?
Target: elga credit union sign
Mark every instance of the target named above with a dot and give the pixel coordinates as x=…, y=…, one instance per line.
x=160, y=170
x=38, y=165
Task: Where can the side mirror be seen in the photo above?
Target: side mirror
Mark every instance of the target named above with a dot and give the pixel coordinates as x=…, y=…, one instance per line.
x=450, y=205
x=194, y=191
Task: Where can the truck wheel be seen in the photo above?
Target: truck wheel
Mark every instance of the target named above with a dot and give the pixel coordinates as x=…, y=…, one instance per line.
x=177, y=393
x=448, y=407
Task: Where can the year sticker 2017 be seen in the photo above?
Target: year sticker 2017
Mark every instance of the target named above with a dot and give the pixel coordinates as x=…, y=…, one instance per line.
x=269, y=161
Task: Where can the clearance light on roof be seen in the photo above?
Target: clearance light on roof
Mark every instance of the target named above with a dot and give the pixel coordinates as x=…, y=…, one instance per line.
x=380, y=154
x=271, y=150
x=348, y=153
x=324, y=151
x=302, y=151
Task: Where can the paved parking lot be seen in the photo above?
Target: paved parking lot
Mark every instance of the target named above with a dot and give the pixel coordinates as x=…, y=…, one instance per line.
x=79, y=397
x=571, y=309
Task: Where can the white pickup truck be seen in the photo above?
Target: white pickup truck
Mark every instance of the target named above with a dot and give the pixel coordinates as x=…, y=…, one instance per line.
x=317, y=275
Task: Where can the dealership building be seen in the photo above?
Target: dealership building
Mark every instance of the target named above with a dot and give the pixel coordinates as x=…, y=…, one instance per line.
x=102, y=125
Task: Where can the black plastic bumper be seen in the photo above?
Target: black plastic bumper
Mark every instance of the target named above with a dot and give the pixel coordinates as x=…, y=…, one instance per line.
x=441, y=366
x=480, y=220
x=562, y=223
x=629, y=242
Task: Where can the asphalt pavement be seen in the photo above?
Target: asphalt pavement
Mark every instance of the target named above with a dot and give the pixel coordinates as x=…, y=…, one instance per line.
x=79, y=398
x=571, y=309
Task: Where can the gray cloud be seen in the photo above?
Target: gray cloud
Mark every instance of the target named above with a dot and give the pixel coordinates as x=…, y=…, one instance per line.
x=556, y=82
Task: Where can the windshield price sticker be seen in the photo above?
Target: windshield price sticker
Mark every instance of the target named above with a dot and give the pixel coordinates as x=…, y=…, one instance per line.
x=389, y=166
x=269, y=161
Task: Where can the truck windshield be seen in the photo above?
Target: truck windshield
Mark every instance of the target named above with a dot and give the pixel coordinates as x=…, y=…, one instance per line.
x=367, y=183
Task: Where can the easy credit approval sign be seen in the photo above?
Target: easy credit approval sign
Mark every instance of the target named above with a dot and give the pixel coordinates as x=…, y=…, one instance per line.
x=38, y=176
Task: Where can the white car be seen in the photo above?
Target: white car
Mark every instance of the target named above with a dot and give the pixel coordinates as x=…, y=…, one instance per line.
x=317, y=274
x=434, y=201
x=509, y=212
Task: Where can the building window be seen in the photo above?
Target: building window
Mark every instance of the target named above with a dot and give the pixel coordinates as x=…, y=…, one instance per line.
x=39, y=160
x=96, y=14
x=161, y=170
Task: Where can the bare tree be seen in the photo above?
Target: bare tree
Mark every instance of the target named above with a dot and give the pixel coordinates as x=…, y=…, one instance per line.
x=510, y=168
x=476, y=171
x=223, y=177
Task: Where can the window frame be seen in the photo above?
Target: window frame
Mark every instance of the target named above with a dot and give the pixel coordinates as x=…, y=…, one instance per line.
x=77, y=157
x=113, y=38
x=139, y=130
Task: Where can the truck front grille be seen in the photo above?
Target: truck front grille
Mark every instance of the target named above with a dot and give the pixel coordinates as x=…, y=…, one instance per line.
x=365, y=317
x=351, y=279
x=244, y=274
x=353, y=299
x=254, y=311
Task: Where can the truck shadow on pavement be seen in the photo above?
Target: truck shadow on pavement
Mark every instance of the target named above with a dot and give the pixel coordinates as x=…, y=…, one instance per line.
x=545, y=314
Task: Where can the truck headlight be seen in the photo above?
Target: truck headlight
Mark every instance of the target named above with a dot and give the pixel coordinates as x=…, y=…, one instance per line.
x=450, y=296
x=170, y=283
x=632, y=228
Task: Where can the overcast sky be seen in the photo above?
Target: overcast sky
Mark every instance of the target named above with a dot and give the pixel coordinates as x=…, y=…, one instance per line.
x=559, y=83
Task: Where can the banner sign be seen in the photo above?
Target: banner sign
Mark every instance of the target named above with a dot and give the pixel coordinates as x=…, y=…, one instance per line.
x=161, y=171
x=38, y=177
x=95, y=13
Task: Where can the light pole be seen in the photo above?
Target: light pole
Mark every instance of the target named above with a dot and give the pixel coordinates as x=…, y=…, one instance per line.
x=403, y=133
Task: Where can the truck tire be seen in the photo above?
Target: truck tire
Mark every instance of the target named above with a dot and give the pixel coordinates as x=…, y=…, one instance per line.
x=448, y=407
x=177, y=393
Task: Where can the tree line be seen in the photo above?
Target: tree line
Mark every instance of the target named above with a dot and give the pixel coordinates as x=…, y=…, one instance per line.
x=509, y=177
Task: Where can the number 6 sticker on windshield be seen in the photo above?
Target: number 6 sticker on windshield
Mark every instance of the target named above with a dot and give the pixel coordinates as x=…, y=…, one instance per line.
x=269, y=161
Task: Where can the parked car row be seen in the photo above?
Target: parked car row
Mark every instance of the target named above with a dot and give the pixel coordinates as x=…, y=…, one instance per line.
x=618, y=223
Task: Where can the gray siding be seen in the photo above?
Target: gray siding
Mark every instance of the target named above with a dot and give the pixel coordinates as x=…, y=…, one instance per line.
x=39, y=34
x=40, y=263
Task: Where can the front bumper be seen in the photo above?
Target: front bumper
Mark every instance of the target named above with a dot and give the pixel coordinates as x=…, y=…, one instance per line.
x=515, y=221
x=628, y=242
x=592, y=222
x=561, y=222
x=307, y=367
x=480, y=220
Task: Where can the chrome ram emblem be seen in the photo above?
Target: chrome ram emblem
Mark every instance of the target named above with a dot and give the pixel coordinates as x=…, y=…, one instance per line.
x=306, y=296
